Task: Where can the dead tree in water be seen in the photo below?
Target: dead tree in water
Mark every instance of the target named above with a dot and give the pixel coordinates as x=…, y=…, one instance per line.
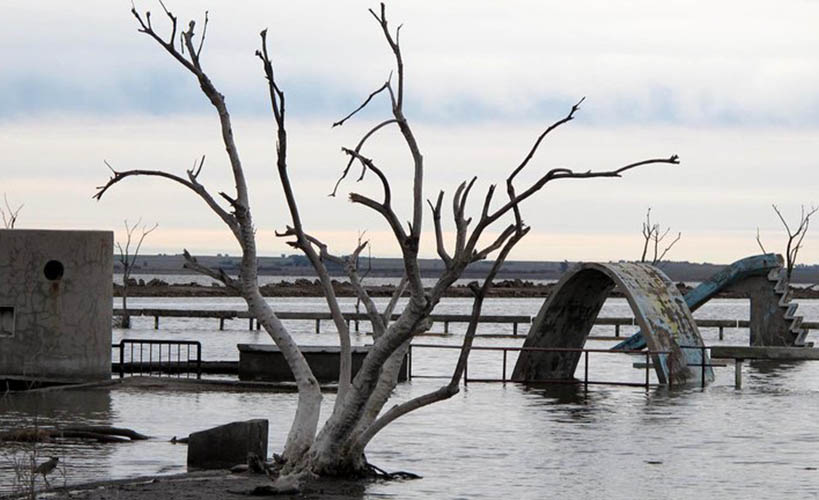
x=653, y=235
x=357, y=416
x=9, y=215
x=128, y=260
x=795, y=237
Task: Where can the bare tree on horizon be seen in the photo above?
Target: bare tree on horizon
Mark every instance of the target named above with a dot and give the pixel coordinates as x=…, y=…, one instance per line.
x=9, y=215
x=653, y=235
x=128, y=260
x=795, y=237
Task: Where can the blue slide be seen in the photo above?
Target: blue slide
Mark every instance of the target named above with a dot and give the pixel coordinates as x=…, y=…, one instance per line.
x=756, y=265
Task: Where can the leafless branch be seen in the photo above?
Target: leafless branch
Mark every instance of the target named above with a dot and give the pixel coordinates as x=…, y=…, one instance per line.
x=364, y=104
x=191, y=183
x=218, y=274
x=452, y=387
x=9, y=215
x=795, y=237
x=759, y=241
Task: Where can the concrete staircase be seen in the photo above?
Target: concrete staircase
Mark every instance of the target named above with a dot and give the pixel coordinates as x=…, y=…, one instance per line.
x=788, y=308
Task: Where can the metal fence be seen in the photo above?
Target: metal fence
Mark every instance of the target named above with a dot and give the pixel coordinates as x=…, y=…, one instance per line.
x=150, y=357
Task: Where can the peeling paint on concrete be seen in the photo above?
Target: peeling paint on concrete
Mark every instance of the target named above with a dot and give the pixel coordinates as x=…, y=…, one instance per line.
x=566, y=318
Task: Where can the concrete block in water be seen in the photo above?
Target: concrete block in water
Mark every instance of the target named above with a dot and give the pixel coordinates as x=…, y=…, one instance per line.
x=227, y=445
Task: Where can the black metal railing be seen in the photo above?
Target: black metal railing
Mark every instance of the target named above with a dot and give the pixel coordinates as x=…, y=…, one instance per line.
x=583, y=351
x=149, y=357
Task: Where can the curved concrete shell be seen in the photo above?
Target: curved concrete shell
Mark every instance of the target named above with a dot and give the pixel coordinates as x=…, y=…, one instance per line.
x=566, y=319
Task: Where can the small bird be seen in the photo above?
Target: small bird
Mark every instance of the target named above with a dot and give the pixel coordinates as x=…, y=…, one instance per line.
x=46, y=468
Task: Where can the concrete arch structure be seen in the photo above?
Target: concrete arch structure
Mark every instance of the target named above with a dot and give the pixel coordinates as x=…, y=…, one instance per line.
x=567, y=316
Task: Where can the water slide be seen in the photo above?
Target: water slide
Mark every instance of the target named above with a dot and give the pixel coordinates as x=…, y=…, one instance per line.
x=756, y=265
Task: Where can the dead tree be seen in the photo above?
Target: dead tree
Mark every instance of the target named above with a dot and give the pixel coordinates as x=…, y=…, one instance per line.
x=128, y=260
x=9, y=215
x=653, y=235
x=357, y=416
x=795, y=237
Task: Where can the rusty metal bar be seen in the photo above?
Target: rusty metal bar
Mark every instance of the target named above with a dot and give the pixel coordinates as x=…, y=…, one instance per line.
x=504, y=365
x=586, y=372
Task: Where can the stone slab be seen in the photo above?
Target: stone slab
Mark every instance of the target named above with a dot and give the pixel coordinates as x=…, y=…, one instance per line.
x=224, y=446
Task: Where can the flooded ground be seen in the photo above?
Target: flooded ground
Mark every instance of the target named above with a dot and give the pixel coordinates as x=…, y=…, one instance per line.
x=492, y=440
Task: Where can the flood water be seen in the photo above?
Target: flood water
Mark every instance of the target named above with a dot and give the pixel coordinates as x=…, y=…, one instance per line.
x=492, y=440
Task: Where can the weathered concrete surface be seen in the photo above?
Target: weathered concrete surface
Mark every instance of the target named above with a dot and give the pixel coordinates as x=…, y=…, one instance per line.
x=566, y=318
x=55, y=303
x=753, y=266
x=265, y=362
x=227, y=445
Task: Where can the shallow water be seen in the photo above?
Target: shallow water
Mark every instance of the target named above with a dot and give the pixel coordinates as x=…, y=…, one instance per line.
x=491, y=440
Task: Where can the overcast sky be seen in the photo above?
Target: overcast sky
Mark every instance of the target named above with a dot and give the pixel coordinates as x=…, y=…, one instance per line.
x=730, y=86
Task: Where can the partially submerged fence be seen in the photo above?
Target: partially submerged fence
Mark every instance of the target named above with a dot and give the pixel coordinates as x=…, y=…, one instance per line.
x=157, y=357
x=584, y=352
x=354, y=319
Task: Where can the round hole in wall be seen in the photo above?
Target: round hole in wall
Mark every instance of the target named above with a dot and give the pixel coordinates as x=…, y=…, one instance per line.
x=53, y=270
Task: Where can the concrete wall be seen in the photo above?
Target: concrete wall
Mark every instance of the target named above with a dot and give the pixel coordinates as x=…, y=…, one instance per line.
x=55, y=303
x=265, y=362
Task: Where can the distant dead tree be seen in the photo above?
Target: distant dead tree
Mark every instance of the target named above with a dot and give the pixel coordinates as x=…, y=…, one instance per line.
x=653, y=235
x=795, y=237
x=128, y=260
x=359, y=411
x=9, y=215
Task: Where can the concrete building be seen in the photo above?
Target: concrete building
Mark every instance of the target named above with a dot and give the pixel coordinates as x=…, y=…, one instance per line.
x=55, y=304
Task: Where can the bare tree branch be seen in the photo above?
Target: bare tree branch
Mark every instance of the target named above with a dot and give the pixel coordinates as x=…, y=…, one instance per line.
x=795, y=237
x=10, y=214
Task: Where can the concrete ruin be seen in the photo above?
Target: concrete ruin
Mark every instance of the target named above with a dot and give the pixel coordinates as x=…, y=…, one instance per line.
x=55, y=304
x=567, y=316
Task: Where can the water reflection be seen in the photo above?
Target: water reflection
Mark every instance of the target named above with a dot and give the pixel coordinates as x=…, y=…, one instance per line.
x=50, y=408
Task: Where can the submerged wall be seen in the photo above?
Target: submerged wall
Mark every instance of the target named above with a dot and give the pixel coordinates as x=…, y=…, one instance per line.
x=55, y=303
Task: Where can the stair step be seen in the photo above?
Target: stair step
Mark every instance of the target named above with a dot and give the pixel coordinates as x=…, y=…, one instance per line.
x=785, y=300
x=796, y=324
x=790, y=313
x=781, y=287
x=801, y=337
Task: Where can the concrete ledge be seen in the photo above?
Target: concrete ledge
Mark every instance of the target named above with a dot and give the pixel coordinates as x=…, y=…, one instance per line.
x=762, y=352
x=266, y=362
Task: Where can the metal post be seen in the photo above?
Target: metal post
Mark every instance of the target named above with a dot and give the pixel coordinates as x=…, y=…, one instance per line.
x=258, y=325
x=221, y=323
x=409, y=362
x=356, y=326
x=515, y=328
x=504, y=365
x=702, y=362
x=720, y=333
x=122, y=359
x=738, y=373
x=446, y=326
x=250, y=324
x=586, y=373
x=617, y=330
x=198, y=360
x=466, y=372
x=156, y=322
x=318, y=326
x=647, y=358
